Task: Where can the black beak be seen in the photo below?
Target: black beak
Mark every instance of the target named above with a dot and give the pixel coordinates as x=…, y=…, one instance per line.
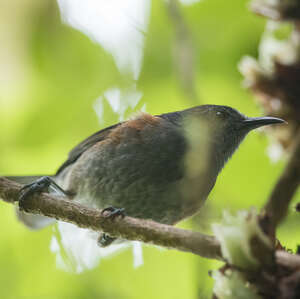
x=256, y=122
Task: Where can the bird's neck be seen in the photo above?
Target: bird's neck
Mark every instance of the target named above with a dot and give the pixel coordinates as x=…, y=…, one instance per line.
x=223, y=150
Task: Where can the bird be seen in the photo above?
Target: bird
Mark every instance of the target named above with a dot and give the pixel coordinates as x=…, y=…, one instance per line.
x=158, y=167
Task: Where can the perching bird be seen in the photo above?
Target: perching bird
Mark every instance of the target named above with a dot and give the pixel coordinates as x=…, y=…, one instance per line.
x=154, y=167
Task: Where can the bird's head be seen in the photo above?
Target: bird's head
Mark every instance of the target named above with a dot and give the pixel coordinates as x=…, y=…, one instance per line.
x=225, y=128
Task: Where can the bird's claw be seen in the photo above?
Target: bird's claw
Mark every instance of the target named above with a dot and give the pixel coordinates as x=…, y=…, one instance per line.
x=43, y=184
x=40, y=185
x=105, y=240
x=112, y=212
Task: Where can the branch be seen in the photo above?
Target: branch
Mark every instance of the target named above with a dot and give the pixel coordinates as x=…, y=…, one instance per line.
x=121, y=227
x=284, y=190
x=288, y=260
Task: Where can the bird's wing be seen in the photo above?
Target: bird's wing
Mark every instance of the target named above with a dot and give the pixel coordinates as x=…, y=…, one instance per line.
x=77, y=151
x=101, y=135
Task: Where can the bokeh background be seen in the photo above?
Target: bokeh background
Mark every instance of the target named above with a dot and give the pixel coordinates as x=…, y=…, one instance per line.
x=57, y=86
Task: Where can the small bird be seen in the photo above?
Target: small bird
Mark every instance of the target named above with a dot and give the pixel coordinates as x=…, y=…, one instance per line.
x=159, y=167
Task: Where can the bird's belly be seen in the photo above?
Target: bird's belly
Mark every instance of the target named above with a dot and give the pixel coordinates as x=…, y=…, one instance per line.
x=165, y=204
x=139, y=199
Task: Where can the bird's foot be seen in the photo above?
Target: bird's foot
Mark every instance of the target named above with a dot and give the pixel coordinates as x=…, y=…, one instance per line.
x=105, y=240
x=112, y=212
x=42, y=184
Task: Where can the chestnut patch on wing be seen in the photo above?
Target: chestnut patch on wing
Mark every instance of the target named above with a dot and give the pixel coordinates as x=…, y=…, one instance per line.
x=131, y=128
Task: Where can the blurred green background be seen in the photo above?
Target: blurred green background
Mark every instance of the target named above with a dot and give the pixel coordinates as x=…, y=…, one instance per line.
x=50, y=77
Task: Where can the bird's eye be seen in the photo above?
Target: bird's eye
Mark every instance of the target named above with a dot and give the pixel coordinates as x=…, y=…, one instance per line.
x=219, y=113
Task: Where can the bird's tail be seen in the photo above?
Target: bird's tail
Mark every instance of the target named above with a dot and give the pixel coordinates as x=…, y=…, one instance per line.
x=31, y=221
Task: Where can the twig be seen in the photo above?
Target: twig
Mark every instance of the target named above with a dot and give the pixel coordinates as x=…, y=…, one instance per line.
x=284, y=190
x=288, y=260
x=122, y=227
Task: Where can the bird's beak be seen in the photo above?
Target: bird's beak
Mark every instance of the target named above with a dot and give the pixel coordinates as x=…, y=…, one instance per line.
x=256, y=122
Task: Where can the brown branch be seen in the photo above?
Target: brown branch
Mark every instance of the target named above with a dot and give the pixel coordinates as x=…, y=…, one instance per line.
x=288, y=260
x=122, y=227
x=284, y=190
